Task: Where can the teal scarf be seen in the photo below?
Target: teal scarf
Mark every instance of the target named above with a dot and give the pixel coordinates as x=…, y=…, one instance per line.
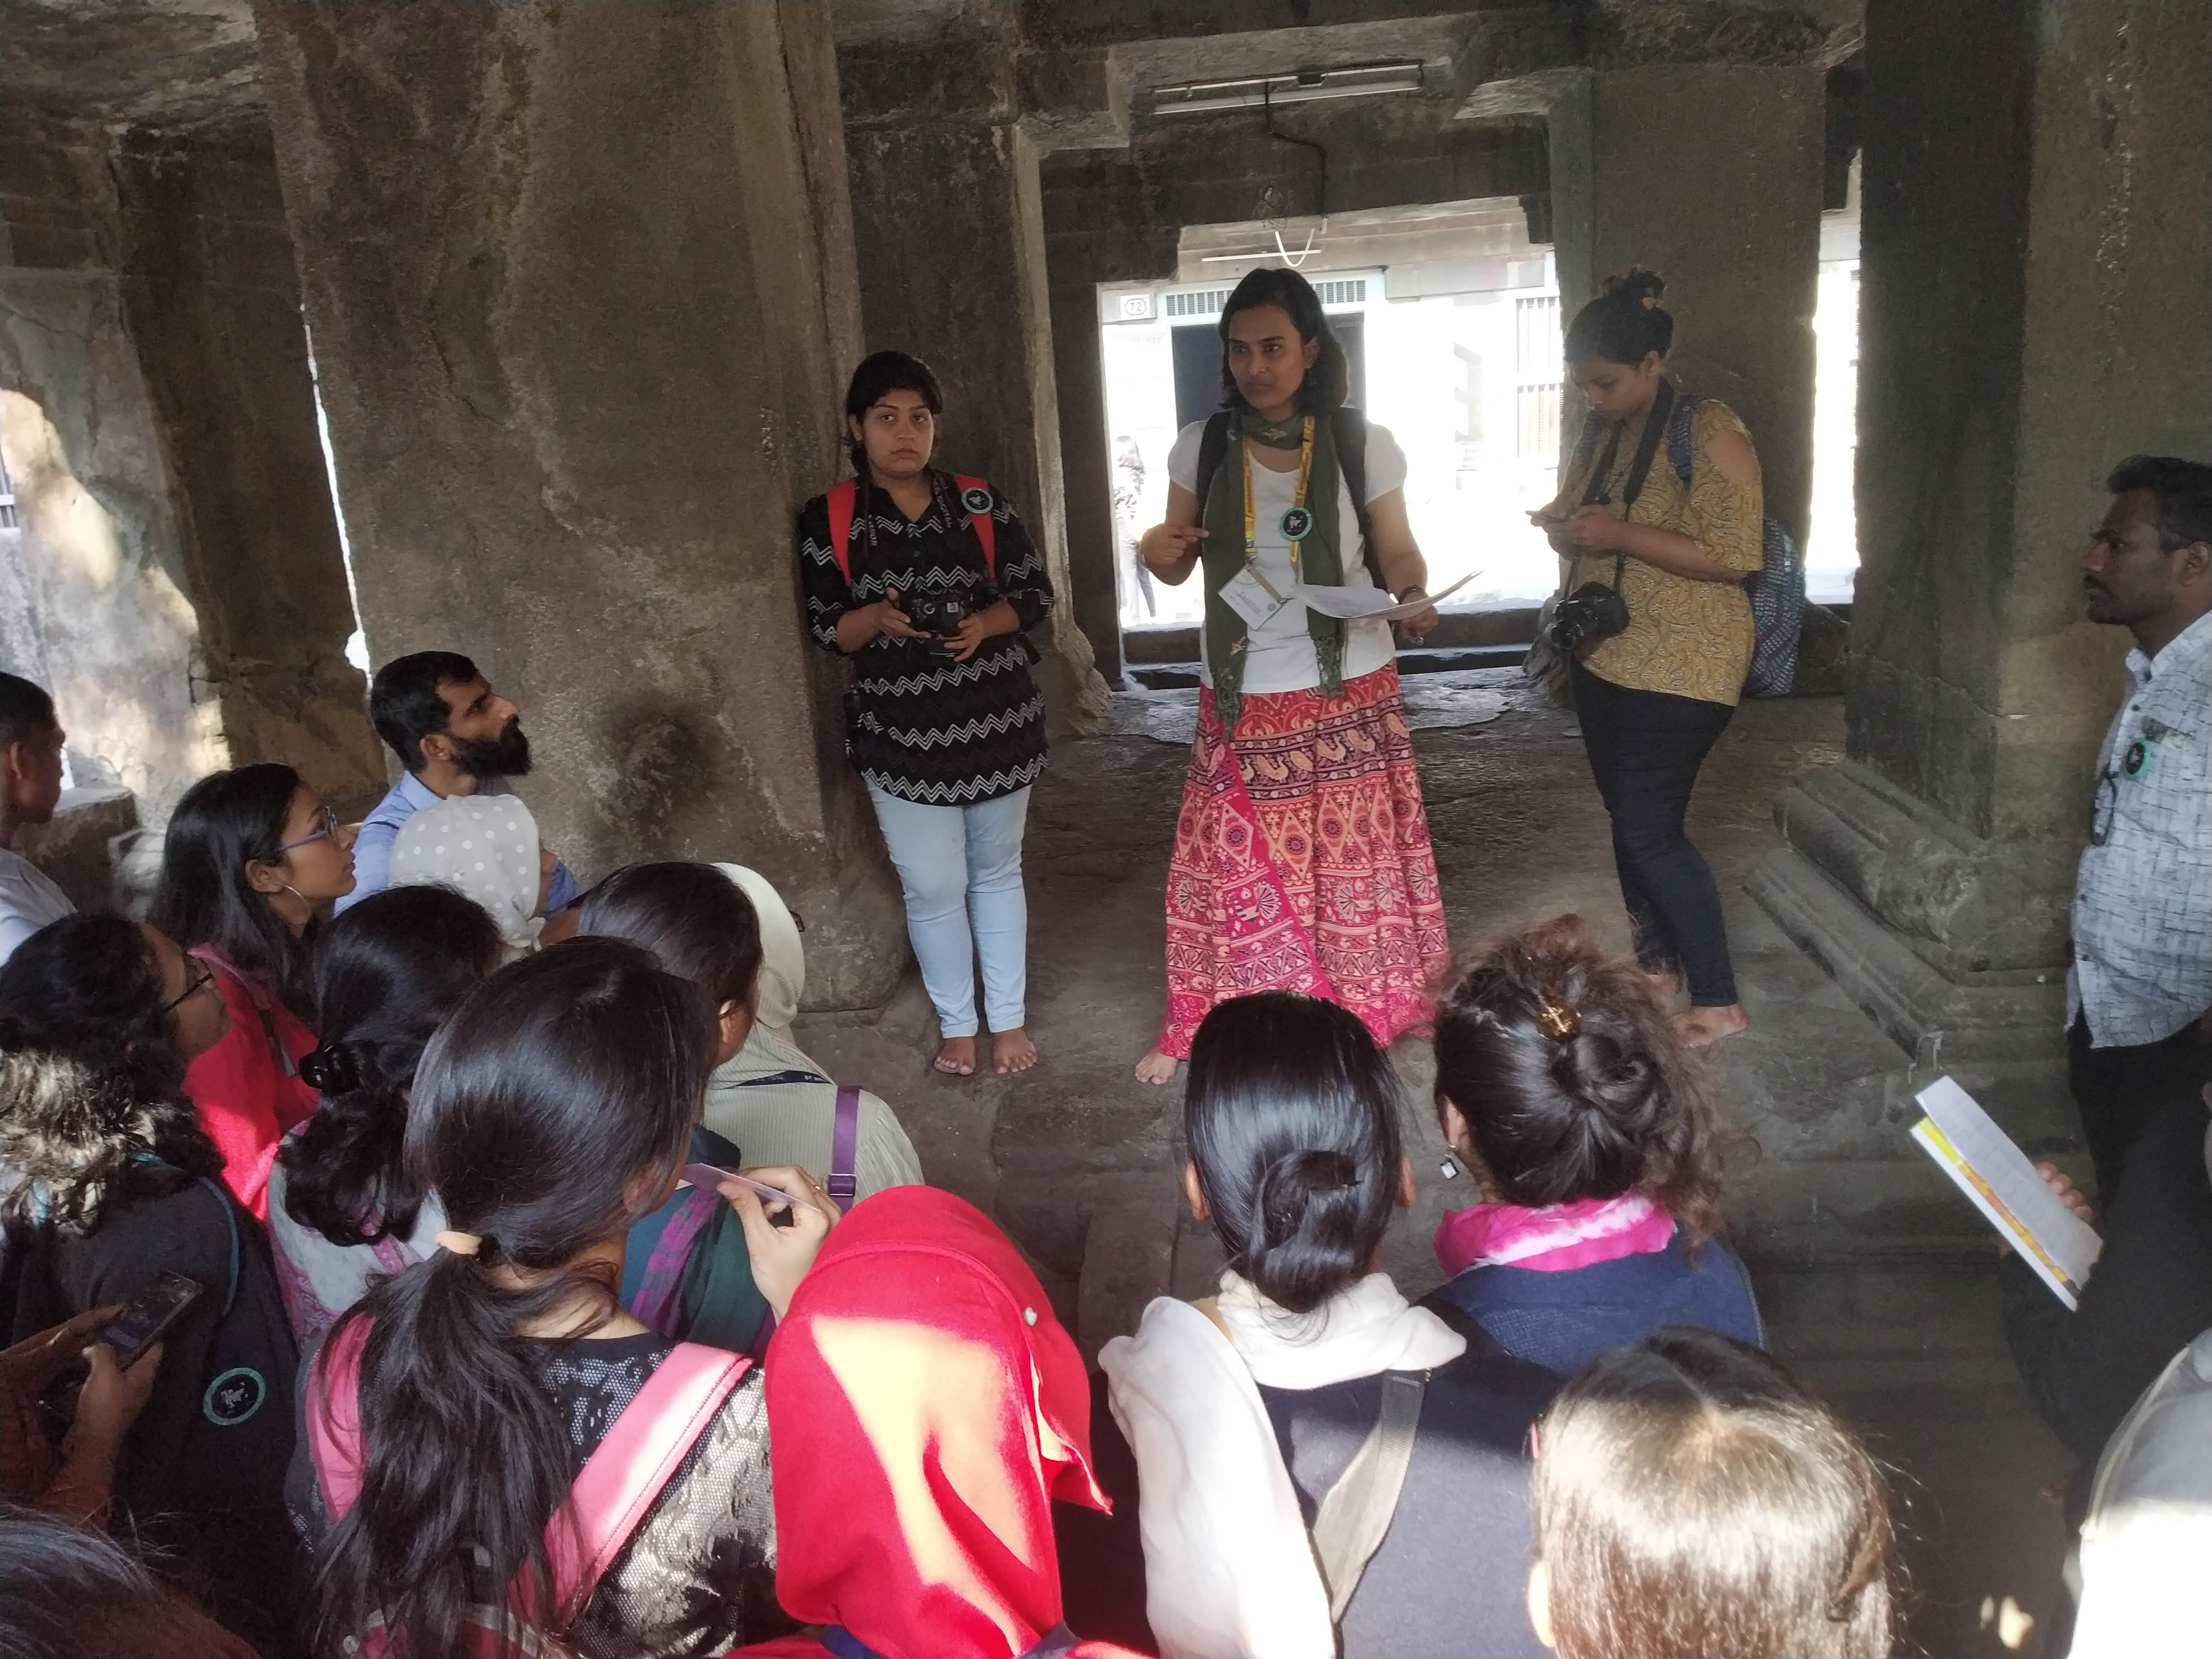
x=1320, y=556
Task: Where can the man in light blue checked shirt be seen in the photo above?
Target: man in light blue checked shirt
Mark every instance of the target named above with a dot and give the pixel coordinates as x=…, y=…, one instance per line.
x=2140, y=992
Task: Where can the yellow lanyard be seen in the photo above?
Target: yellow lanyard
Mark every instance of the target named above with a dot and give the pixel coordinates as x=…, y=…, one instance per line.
x=1251, y=522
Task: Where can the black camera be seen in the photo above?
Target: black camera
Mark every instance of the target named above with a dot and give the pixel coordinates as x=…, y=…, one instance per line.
x=1592, y=611
x=940, y=617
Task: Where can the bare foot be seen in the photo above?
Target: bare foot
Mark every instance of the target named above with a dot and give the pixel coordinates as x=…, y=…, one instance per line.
x=1157, y=1067
x=1011, y=1051
x=956, y=1056
x=1700, y=1028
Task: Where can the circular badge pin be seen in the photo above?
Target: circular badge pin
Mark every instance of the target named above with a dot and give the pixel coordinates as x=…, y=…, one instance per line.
x=975, y=499
x=2138, y=757
x=235, y=1396
x=1297, y=524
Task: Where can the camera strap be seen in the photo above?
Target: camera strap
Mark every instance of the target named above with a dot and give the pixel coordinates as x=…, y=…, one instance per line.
x=1647, y=446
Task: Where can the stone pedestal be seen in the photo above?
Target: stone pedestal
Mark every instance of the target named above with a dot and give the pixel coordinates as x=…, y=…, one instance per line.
x=2036, y=262
x=579, y=368
x=950, y=231
x=1710, y=175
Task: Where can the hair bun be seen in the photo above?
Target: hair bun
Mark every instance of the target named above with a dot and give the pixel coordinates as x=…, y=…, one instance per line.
x=1645, y=287
x=332, y=1069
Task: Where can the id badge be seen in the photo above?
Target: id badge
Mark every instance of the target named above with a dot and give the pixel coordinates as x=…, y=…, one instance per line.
x=1252, y=599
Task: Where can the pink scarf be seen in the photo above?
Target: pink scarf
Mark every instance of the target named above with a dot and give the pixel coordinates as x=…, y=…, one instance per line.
x=1554, y=1238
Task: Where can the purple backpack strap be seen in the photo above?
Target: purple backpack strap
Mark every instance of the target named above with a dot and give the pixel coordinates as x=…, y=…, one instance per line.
x=659, y=1290
x=844, y=1185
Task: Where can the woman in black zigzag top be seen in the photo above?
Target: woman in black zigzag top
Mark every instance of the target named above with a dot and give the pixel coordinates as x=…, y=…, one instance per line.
x=927, y=581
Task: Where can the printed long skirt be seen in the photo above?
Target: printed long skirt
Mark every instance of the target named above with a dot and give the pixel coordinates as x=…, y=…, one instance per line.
x=1301, y=862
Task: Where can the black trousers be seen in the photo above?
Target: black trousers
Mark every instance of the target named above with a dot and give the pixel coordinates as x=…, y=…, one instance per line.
x=2120, y=1092
x=1644, y=748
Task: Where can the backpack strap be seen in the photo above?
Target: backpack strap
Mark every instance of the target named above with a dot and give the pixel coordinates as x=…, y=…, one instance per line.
x=659, y=1295
x=987, y=527
x=640, y=1455
x=1678, y=435
x=1348, y=428
x=222, y=1197
x=1350, y=1525
x=843, y=497
x=844, y=1184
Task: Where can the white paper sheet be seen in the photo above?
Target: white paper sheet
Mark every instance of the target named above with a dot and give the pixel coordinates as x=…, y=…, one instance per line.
x=1370, y=603
x=1991, y=1170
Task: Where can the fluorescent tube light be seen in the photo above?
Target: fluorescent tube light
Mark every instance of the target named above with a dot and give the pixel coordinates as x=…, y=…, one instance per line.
x=1297, y=86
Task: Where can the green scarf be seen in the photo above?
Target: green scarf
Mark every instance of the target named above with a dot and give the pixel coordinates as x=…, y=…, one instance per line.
x=1320, y=556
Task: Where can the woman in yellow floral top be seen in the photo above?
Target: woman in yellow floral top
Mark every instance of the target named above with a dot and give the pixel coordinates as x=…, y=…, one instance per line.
x=1653, y=697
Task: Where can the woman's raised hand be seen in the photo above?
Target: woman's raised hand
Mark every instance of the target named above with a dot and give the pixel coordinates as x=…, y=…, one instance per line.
x=1167, y=549
x=780, y=1256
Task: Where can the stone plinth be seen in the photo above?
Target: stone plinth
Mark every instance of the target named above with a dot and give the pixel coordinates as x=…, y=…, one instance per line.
x=580, y=284
x=2037, y=259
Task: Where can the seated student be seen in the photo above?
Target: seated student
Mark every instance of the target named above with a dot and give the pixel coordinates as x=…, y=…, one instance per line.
x=1245, y=1411
x=455, y=736
x=2149, y=1293
x=452, y=1409
x=68, y=1593
x=488, y=850
x=31, y=741
x=1562, y=1085
x=2148, y=1531
x=250, y=857
x=110, y=1182
x=343, y=1208
x=724, y=928
x=927, y=1409
x=1692, y=1500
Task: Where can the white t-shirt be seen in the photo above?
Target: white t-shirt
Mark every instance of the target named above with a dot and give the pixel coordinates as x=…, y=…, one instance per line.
x=28, y=900
x=1281, y=657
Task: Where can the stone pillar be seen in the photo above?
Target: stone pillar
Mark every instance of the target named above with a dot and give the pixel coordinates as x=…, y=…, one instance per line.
x=950, y=228
x=1710, y=175
x=182, y=588
x=579, y=373
x=214, y=299
x=2037, y=263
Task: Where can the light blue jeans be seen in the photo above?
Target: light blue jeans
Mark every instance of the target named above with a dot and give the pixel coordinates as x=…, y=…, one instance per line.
x=961, y=869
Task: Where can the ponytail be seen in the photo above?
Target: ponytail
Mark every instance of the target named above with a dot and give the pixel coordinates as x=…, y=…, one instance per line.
x=389, y=971
x=1564, y=1064
x=554, y=1106
x=1292, y=1117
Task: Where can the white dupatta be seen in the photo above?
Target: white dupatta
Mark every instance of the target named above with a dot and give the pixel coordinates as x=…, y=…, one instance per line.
x=1229, y=1565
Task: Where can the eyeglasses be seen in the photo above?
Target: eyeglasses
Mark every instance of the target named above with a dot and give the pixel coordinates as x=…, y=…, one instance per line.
x=327, y=818
x=205, y=978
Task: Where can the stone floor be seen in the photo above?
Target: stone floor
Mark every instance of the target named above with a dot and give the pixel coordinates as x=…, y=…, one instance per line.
x=1876, y=1280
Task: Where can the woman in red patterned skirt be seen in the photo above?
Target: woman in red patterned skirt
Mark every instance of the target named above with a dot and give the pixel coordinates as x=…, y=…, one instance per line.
x=1302, y=859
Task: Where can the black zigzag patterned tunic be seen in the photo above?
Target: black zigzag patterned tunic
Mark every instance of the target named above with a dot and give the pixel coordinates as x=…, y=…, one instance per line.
x=920, y=725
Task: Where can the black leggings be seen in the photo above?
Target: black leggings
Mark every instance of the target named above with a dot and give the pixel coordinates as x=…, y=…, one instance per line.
x=1644, y=749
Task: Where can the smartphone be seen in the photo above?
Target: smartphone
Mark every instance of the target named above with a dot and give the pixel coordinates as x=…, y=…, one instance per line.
x=141, y=1323
x=707, y=1176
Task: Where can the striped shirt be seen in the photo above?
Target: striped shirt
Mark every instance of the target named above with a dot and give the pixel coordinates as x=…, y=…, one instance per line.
x=920, y=725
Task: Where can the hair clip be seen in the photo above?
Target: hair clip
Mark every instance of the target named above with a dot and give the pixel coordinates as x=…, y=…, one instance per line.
x=1555, y=1020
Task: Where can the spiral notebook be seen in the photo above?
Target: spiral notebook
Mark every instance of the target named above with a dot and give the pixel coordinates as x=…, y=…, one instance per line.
x=1993, y=1172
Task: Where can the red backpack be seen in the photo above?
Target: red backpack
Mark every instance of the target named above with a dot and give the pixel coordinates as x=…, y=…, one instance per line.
x=643, y=1449
x=974, y=494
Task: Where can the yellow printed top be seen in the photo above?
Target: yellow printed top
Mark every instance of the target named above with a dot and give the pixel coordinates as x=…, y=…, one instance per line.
x=1689, y=638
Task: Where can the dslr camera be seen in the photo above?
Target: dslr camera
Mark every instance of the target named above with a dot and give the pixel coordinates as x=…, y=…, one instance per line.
x=940, y=618
x=1593, y=611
